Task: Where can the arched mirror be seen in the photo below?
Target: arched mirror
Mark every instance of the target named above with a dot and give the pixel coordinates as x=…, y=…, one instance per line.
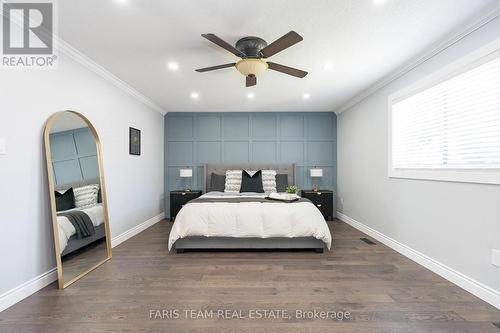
x=77, y=196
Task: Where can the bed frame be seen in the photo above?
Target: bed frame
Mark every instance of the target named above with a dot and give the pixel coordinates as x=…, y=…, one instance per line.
x=100, y=231
x=76, y=244
x=196, y=243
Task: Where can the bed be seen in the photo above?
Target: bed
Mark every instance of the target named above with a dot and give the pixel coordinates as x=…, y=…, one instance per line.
x=219, y=220
x=68, y=240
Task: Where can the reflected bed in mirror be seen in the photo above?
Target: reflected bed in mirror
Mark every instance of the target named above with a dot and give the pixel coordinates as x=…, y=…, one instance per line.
x=77, y=196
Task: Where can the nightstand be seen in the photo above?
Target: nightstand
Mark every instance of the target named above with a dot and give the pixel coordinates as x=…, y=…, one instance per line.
x=322, y=199
x=179, y=199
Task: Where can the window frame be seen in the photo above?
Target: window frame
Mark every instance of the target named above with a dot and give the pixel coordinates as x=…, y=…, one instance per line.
x=483, y=176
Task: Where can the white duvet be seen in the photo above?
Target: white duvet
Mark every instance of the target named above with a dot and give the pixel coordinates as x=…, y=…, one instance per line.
x=249, y=219
x=66, y=229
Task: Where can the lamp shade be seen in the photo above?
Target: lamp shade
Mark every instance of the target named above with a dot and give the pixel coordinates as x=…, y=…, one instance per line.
x=316, y=172
x=251, y=66
x=186, y=173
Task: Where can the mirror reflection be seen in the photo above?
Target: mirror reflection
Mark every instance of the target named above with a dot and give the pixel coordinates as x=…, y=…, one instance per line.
x=81, y=226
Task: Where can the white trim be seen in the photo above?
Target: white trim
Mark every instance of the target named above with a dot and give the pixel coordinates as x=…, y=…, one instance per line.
x=476, y=288
x=82, y=59
x=30, y=287
x=117, y=240
x=487, y=16
x=71, y=52
x=26, y=289
x=460, y=176
x=472, y=60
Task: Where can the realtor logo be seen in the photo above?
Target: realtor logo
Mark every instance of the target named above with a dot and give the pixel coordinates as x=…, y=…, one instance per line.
x=27, y=35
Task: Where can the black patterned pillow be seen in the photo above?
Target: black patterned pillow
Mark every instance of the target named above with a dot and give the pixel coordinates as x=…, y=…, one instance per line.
x=65, y=201
x=251, y=183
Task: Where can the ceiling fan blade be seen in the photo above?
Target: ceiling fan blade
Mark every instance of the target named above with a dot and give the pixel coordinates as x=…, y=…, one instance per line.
x=281, y=43
x=287, y=70
x=225, y=45
x=206, y=69
x=251, y=80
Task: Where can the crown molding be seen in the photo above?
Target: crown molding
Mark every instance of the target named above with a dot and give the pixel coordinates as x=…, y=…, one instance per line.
x=82, y=59
x=64, y=47
x=481, y=20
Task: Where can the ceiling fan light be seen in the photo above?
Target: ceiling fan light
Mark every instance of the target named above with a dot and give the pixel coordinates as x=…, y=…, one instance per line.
x=251, y=66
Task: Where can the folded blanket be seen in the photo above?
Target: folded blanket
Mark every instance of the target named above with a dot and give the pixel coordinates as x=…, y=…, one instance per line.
x=284, y=197
x=82, y=223
x=244, y=199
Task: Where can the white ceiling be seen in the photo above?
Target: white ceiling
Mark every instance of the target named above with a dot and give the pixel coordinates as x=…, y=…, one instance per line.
x=362, y=40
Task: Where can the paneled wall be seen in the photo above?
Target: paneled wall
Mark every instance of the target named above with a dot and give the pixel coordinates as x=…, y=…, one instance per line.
x=74, y=156
x=306, y=139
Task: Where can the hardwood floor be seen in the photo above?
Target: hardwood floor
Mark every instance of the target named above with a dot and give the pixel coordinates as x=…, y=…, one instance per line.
x=382, y=290
x=83, y=259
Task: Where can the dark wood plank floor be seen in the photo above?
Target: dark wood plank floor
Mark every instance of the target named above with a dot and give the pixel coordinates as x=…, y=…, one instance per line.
x=83, y=259
x=382, y=290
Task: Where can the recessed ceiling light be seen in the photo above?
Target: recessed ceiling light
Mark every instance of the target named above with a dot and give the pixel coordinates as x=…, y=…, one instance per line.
x=194, y=95
x=379, y=2
x=121, y=1
x=173, y=66
x=328, y=67
x=306, y=96
x=250, y=95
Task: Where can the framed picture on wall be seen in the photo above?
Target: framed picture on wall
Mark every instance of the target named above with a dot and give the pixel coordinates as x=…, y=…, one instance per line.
x=134, y=141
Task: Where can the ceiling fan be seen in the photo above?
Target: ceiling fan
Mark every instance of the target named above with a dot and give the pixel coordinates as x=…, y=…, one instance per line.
x=252, y=51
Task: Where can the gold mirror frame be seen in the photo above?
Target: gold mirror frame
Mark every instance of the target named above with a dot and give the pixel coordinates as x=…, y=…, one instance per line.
x=48, y=157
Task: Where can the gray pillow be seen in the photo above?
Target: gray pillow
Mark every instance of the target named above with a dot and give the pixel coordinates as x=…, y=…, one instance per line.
x=217, y=182
x=281, y=182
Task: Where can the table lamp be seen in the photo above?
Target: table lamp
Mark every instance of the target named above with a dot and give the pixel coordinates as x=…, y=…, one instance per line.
x=316, y=173
x=186, y=173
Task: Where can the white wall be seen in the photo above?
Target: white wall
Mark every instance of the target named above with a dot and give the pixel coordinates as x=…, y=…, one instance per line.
x=456, y=224
x=134, y=183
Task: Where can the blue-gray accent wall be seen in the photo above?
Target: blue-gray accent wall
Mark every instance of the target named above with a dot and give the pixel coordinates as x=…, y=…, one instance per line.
x=74, y=156
x=307, y=139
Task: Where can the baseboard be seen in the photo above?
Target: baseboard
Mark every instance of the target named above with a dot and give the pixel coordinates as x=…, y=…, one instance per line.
x=30, y=287
x=24, y=290
x=135, y=230
x=476, y=288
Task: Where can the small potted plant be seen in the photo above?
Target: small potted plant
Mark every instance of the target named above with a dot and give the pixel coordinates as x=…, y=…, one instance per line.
x=293, y=191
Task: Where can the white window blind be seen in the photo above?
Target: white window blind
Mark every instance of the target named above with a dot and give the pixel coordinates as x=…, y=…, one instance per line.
x=452, y=125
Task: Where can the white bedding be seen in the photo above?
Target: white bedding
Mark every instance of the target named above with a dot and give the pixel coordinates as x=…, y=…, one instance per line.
x=66, y=229
x=249, y=219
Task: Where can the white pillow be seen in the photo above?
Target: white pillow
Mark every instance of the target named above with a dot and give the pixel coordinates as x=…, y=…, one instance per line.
x=86, y=196
x=233, y=181
x=269, y=181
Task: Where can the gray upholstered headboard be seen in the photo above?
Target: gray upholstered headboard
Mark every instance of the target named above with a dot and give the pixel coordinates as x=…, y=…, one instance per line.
x=76, y=184
x=220, y=169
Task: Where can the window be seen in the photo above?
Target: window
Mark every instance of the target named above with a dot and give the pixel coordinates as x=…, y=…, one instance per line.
x=449, y=129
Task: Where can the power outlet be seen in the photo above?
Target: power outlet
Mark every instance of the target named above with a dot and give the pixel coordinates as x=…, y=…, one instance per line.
x=3, y=146
x=495, y=257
